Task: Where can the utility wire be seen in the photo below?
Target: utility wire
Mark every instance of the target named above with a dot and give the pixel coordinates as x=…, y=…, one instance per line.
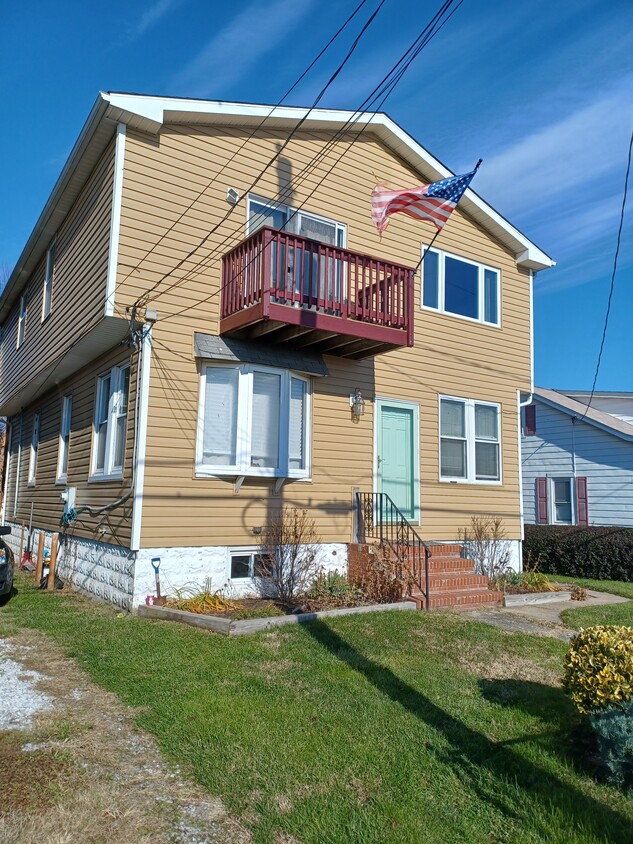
x=246, y=140
x=384, y=89
x=278, y=153
x=615, y=266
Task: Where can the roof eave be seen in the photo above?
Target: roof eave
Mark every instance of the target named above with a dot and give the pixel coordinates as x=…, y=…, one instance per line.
x=588, y=419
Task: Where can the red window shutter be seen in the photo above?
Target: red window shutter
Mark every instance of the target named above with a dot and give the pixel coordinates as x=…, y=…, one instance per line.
x=542, y=510
x=582, y=505
x=530, y=420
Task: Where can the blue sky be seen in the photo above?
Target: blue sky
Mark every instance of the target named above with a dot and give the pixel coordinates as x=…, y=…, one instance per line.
x=541, y=90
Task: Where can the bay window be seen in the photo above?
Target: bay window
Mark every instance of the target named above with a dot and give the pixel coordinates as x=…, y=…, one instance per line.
x=470, y=440
x=110, y=423
x=253, y=421
x=460, y=287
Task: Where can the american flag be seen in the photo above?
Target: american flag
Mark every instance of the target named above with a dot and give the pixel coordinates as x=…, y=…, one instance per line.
x=433, y=202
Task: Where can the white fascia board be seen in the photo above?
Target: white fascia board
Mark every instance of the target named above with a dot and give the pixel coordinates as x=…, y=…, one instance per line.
x=115, y=219
x=160, y=109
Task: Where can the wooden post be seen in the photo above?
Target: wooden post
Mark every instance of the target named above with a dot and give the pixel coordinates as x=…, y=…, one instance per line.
x=21, y=544
x=52, y=562
x=40, y=558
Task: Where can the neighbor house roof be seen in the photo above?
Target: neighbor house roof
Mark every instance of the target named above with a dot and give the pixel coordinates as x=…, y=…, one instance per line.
x=577, y=409
x=150, y=113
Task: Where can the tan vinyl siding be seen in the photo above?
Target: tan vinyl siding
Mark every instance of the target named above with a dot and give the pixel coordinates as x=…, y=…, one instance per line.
x=163, y=176
x=45, y=495
x=79, y=285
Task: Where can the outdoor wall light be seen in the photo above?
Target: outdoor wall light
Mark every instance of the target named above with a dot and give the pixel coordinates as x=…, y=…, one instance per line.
x=357, y=403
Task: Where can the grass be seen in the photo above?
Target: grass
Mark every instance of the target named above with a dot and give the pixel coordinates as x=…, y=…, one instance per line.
x=391, y=727
x=581, y=616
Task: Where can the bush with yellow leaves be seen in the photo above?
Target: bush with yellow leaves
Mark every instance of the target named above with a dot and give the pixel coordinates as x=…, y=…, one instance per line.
x=599, y=668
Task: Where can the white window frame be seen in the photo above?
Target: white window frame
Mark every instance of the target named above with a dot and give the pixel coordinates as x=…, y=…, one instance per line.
x=64, y=439
x=247, y=551
x=47, y=292
x=34, y=448
x=469, y=418
x=293, y=216
x=242, y=467
x=442, y=255
x=552, y=500
x=22, y=320
x=109, y=471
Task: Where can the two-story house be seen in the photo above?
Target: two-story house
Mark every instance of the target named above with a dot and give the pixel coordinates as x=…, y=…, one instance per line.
x=205, y=326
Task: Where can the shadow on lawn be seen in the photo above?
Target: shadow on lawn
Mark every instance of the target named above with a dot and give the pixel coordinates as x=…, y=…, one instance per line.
x=471, y=752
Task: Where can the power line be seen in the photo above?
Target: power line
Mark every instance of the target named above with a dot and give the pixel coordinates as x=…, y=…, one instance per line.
x=246, y=140
x=615, y=266
x=295, y=129
x=384, y=89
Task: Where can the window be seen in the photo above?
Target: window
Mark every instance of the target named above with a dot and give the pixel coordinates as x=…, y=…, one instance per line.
x=470, y=440
x=248, y=564
x=464, y=288
x=252, y=421
x=562, y=501
x=35, y=441
x=48, y=282
x=21, y=321
x=64, y=438
x=263, y=212
x=110, y=424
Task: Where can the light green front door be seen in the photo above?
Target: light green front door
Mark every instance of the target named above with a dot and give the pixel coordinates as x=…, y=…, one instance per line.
x=397, y=471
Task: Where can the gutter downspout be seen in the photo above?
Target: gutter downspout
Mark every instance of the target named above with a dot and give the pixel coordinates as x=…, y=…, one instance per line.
x=520, y=405
x=140, y=441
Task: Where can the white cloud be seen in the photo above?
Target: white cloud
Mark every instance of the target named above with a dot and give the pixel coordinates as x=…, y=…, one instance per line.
x=563, y=157
x=230, y=54
x=152, y=15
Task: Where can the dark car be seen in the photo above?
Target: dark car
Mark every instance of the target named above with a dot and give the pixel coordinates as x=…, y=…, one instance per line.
x=6, y=564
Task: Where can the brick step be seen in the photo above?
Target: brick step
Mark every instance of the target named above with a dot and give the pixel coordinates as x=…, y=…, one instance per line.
x=465, y=599
x=451, y=564
x=445, y=550
x=451, y=581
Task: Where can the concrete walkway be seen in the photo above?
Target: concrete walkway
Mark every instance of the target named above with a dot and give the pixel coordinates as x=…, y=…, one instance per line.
x=543, y=619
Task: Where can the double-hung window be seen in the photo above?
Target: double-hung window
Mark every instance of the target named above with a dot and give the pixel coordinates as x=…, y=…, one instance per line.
x=460, y=287
x=110, y=423
x=35, y=442
x=470, y=440
x=253, y=421
x=47, y=294
x=21, y=321
x=562, y=501
x=64, y=439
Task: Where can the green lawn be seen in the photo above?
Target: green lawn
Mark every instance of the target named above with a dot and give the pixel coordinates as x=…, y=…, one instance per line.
x=582, y=616
x=396, y=727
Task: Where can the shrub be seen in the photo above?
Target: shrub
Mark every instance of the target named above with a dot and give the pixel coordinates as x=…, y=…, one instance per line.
x=485, y=542
x=520, y=582
x=331, y=590
x=599, y=668
x=602, y=553
x=290, y=563
x=614, y=731
x=384, y=580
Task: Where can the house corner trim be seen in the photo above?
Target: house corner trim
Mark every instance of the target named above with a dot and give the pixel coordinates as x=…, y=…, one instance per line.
x=141, y=438
x=115, y=219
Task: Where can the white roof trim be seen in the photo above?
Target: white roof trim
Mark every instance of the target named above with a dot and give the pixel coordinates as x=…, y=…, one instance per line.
x=598, y=418
x=149, y=113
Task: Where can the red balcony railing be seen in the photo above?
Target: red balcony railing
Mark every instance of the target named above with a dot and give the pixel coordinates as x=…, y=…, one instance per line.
x=287, y=279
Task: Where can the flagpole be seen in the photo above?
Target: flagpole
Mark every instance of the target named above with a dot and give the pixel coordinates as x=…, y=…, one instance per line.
x=437, y=233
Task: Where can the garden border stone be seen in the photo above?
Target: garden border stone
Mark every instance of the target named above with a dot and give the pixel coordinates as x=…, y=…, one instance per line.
x=536, y=598
x=232, y=627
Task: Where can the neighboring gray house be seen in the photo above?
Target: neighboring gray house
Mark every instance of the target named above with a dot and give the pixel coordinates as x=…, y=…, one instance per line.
x=577, y=462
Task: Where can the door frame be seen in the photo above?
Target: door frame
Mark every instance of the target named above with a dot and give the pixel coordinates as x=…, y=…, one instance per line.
x=379, y=403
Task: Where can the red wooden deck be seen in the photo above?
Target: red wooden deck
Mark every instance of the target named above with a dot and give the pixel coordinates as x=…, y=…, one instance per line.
x=308, y=293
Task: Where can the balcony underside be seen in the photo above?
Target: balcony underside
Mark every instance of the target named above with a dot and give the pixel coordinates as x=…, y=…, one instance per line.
x=311, y=329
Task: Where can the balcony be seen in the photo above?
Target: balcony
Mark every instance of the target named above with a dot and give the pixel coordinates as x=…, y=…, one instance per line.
x=287, y=289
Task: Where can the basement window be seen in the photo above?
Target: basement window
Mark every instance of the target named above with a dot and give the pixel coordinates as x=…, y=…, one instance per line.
x=246, y=565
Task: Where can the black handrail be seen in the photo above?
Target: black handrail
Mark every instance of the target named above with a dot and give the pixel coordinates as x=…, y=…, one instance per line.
x=378, y=518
